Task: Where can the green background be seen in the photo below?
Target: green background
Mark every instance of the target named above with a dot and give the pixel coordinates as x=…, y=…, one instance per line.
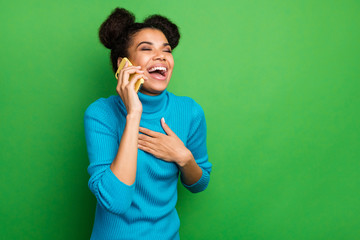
x=279, y=84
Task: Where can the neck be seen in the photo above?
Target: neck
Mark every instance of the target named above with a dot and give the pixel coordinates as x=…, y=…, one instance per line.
x=153, y=105
x=148, y=93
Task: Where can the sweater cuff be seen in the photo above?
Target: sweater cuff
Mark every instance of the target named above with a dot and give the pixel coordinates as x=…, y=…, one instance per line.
x=115, y=195
x=201, y=184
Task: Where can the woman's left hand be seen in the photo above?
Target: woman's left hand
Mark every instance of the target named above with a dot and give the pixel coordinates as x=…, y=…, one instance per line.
x=167, y=147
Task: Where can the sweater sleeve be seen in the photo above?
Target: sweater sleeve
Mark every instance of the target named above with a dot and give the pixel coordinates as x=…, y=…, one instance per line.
x=196, y=143
x=102, y=146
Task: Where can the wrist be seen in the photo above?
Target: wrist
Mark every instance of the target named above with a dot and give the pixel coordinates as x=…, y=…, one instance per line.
x=185, y=159
x=133, y=116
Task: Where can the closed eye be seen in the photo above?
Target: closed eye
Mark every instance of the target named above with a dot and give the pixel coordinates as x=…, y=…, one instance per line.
x=149, y=49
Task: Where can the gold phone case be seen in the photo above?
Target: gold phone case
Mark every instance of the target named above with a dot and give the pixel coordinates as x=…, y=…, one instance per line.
x=121, y=65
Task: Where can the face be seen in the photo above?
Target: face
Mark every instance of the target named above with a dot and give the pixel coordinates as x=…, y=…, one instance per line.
x=150, y=50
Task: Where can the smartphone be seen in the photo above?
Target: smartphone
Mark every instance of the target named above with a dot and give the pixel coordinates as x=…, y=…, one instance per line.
x=138, y=83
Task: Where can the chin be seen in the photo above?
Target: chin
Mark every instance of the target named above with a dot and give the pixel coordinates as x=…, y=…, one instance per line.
x=154, y=89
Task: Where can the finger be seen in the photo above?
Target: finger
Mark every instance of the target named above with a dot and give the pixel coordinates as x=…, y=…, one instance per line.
x=126, y=72
x=149, y=132
x=132, y=67
x=125, y=79
x=146, y=138
x=130, y=70
x=144, y=147
x=135, y=78
x=119, y=70
x=166, y=128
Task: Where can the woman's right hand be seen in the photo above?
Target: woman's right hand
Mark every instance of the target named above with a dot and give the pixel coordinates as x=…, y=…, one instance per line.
x=126, y=88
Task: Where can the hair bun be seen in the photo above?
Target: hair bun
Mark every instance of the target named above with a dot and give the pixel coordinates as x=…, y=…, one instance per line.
x=113, y=28
x=169, y=29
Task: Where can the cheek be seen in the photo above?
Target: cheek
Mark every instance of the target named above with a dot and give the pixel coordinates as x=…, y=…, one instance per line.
x=171, y=62
x=138, y=60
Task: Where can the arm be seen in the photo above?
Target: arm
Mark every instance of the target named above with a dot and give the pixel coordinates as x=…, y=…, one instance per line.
x=192, y=159
x=124, y=164
x=196, y=144
x=190, y=170
x=112, y=165
x=102, y=145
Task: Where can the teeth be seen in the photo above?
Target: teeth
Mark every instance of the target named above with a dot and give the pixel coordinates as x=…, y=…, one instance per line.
x=157, y=68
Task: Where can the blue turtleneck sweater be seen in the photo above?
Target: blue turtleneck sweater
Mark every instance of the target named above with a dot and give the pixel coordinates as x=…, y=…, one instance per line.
x=145, y=209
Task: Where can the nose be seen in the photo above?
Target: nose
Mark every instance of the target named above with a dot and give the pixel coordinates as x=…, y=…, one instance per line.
x=159, y=55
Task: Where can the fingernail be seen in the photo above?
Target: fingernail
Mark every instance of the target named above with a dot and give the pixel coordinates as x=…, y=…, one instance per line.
x=163, y=120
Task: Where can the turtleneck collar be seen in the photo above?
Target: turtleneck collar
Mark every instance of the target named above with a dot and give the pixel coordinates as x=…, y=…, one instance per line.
x=153, y=106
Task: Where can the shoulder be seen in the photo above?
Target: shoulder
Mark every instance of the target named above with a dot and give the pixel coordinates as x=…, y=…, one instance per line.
x=102, y=106
x=187, y=103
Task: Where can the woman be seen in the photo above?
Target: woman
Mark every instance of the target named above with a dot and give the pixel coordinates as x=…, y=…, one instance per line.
x=135, y=157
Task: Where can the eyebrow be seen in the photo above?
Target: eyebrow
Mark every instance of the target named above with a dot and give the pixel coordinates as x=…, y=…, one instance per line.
x=150, y=43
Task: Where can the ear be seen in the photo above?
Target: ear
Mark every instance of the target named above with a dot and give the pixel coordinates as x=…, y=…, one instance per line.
x=118, y=61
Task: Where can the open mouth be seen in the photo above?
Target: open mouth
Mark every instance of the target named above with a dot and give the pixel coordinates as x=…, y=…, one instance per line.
x=158, y=72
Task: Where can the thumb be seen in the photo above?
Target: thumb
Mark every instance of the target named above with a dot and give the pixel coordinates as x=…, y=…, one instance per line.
x=166, y=127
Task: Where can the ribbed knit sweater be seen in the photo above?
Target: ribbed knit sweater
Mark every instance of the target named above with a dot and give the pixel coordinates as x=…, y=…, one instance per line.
x=145, y=209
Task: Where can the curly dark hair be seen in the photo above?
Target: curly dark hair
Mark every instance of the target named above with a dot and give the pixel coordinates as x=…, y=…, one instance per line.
x=117, y=31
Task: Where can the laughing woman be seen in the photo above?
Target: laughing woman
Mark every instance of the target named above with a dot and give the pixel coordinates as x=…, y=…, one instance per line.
x=135, y=157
